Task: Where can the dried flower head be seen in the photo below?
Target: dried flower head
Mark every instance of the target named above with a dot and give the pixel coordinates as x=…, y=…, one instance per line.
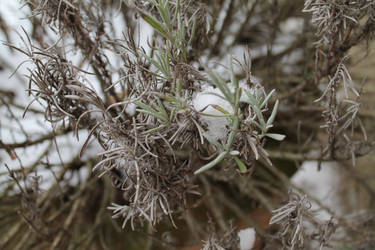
x=291, y=218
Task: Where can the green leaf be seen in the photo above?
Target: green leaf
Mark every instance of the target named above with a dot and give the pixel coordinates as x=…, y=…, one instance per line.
x=256, y=124
x=177, y=10
x=238, y=97
x=162, y=110
x=156, y=64
x=153, y=130
x=158, y=26
x=220, y=96
x=219, y=108
x=163, y=9
x=173, y=114
x=232, y=134
x=149, y=110
x=219, y=82
x=233, y=77
x=171, y=99
x=144, y=106
x=213, y=141
x=240, y=164
x=273, y=114
x=160, y=117
x=259, y=115
x=164, y=63
x=193, y=30
x=234, y=152
x=251, y=100
x=180, y=29
x=278, y=137
x=211, y=164
x=266, y=99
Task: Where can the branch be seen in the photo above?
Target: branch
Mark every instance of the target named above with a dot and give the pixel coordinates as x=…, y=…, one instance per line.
x=28, y=143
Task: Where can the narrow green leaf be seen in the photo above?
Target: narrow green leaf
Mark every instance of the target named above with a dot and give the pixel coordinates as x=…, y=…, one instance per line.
x=251, y=100
x=232, y=134
x=158, y=26
x=238, y=98
x=268, y=127
x=277, y=137
x=164, y=65
x=219, y=108
x=180, y=29
x=171, y=99
x=211, y=164
x=256, y=124
x=161, y=109
x=259, y=115
x=219, y=82
x=213, y=141
x=240, y=164
x=153, y=130
x=193, y=30
x=160, y=63
x=149, y=110
x=177, y=11
x=220, y=96
x=234, y=152
x=210, y=115
x=233, y=77
x=173, y=114
x=178, y=87
x=164, y=13
x=266, y=99
x=155, y=63
x=155, y=114
x=273, y=114
x=144, y=106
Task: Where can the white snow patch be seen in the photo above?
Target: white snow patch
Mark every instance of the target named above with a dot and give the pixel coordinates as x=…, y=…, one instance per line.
x=247, y=238
x=145, y=33
x=217, y=127
x=322, y=185
x=130, y=109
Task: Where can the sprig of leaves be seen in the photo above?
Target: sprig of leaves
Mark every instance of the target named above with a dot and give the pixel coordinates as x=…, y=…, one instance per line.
x=160, y=112
x=173, y=26
x=257, y=105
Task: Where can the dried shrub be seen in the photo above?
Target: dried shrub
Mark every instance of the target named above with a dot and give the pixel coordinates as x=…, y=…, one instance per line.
x=182, y=126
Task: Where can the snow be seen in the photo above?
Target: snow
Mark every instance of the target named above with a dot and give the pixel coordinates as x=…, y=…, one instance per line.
x=35, y=124
x=145, y=32
x=217, y=126
x=323, y=185
x=14, y=15
x=11, y=130
x=247, y=238
x=130, y=109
